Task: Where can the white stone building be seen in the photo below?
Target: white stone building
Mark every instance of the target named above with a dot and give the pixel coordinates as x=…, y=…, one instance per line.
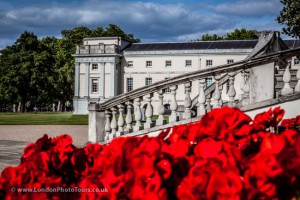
x=109, y=66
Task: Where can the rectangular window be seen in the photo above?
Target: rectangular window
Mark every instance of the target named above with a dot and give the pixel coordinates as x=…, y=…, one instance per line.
x=130, y=64
x=296, y=61
x=148, y=81
x=148, y=64
x=94, y=85
x=94, y=67
x=229, y=61
x=129, y=84
x=208, y=82
x=167, y=90
x=188, y=63
x=168, y=63
x=209, y=63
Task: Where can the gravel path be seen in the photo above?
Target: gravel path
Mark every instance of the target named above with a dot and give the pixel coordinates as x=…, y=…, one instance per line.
x=13, y=139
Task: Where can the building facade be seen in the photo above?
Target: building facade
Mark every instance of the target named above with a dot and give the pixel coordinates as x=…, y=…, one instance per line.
x=108, y=66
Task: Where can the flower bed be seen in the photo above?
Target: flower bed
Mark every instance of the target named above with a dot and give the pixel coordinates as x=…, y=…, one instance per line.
x=226, y=155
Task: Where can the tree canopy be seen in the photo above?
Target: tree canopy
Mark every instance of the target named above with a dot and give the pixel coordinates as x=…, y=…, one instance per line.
x=290, y=17
x=237, y=34
x=25, y=68
x=41, y=71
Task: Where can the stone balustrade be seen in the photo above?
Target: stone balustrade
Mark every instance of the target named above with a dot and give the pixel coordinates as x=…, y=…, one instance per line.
x=122, y=115
x=97, y=49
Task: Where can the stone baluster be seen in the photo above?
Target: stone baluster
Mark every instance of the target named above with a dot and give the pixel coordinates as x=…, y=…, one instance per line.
x=187, y=101
x=297, y=87
x=242, y=83
x=113, y=124
x=160, y=109
x=120, y=121
x=287, y=89
x=217, y=95
x=108, y=135
x=246, y=89
x=173, y=106
x=231, y=92
x=201, y=98
x=138, y=114
x=149, y=112
x=128, y=128
x=208, y=101
x=221, y=100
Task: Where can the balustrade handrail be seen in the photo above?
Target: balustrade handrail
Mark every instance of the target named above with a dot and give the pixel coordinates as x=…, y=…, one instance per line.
x=200, y=74
x=88, y=49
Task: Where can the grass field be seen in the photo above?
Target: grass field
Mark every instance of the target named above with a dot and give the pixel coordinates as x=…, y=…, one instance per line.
x=43, y=118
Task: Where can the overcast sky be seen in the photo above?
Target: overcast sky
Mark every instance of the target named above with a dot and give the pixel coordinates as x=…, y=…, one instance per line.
x=151, y=21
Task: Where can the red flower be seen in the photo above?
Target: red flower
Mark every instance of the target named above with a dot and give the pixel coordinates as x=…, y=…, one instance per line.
x=289, y=123
x=210, y=180
x=225, y=123
x=289, y=156
x=268, y=119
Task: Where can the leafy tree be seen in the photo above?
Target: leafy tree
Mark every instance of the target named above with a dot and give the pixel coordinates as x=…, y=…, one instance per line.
x=213, y=37
x=114, y=30
x=241, y=34
x=25, y=67
x=237, y=34
x=75, y=35
x=290, y=16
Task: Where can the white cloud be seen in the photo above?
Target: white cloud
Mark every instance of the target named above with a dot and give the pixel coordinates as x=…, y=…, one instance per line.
x=254, y=8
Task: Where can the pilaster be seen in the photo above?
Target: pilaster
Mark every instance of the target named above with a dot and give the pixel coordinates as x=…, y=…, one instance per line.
x=102, y=80
x=112, y=79
x=76, y=86
x=86, y=79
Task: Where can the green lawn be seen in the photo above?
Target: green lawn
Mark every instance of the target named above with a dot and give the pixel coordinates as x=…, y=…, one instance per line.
x=49, y=118
x=43, y=118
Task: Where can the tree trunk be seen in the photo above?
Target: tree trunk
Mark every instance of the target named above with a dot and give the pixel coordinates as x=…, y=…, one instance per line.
x=19, y=107
x=58, y=106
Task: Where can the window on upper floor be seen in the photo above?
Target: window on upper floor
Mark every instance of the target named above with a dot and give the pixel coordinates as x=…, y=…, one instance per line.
x=296, y=61
x=229, y=61
x=94, y=67
x=129, y=84
x=130, y=64
x=188, y=63
x=148, y=63
x=148, y=81
x=208, y=82
x=94, y=85
x=168, y=63
x=167, y=90
x=209, y=63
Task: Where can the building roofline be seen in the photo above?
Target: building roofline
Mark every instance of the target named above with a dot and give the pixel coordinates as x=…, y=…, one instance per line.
x=106, y=38
x=189, y=51
x=183, y=42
